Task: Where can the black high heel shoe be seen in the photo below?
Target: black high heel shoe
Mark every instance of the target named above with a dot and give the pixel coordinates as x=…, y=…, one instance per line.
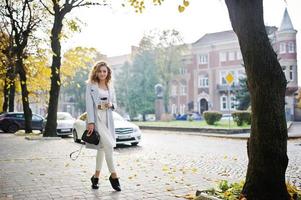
x=94, y=182
x=115, y=183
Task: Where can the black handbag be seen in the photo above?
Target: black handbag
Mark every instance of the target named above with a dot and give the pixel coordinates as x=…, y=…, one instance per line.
x=93, y=138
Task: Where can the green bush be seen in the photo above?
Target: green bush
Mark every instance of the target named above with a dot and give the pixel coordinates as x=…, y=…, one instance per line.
x=211, y=117
x=241, y=117
x=189, y=118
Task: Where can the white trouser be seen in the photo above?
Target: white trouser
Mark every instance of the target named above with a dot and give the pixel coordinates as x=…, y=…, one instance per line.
x=108, y=154
x=106, y=144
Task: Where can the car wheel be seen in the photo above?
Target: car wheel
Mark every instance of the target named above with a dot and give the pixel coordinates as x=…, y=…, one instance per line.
x=12, y=128
x=135, y=143
x=75, y=138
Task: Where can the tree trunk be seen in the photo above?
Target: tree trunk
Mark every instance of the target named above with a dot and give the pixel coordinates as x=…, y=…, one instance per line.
x=11, y=97
x=267, y=146
x=25, y=101
x=50, y=129
x=9, y=91
x=5, y=96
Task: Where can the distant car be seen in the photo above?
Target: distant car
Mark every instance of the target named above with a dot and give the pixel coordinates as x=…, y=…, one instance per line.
x=126, y=132
x=64, y=123
x=227, y=116
x=11, y=122
x=184, y=117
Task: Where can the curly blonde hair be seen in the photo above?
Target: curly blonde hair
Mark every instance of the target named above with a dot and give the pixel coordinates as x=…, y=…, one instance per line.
x=93, y=78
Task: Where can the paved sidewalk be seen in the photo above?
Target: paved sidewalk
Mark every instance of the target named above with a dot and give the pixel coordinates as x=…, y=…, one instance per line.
x=165, y=166
x=42, y=169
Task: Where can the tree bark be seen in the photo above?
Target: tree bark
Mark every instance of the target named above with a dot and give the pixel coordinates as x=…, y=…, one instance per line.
x=9, y=91
x=267, y=146
x=11, y=96
x=50, y=129
x=5, y=96
x=24, y=91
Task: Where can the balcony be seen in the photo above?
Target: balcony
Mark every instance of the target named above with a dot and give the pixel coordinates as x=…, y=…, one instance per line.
x=233, y=87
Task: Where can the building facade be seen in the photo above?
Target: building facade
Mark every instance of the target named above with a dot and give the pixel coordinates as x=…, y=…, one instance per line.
x=202, y=83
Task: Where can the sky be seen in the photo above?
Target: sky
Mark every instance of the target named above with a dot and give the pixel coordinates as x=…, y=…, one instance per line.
x=112, y=31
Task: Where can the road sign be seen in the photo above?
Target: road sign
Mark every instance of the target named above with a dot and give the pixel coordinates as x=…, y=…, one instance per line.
x=229, y=78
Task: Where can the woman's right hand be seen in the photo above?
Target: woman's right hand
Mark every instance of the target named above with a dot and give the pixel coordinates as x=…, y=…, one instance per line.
x=90, y=128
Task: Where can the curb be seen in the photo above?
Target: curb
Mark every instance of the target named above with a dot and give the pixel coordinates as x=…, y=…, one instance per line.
x=240, y=134
x=199, y=130
x=40, y=137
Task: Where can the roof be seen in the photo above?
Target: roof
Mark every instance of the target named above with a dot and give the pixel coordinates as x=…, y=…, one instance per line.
x=286, y=23
x=225, y=36
x=210, y=38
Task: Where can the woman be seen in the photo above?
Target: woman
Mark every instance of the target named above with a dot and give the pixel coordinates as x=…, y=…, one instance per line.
x=100, y=101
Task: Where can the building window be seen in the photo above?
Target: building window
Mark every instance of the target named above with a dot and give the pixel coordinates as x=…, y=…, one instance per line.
x=203, y=81
x=203, y=59
x=291, y=47
x=238, y=55
x=183, y=90
x=282, y=48
x=223, y=75
x=231, y=55
x=173, y=90
x=173, y=109
x=291, y=73
x=224, y=102
x=233, y=102
x=223, y=56
x=183, y=70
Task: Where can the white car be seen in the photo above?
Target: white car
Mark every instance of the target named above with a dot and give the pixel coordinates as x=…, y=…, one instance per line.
x=64, y=123
x=127, y=132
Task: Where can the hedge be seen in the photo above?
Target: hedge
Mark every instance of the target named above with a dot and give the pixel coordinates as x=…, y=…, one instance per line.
x=211, y=117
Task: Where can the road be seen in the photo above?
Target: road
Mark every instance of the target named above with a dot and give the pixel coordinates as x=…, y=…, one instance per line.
x=165, y=165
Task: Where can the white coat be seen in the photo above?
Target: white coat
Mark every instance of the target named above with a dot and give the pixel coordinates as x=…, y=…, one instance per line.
x=93, y=97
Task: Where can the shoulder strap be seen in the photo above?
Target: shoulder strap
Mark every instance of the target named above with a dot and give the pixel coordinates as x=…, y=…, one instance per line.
x=79, y=150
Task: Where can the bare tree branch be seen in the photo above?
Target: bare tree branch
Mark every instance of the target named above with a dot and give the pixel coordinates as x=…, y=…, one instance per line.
x=46, y=7
x=89, y=4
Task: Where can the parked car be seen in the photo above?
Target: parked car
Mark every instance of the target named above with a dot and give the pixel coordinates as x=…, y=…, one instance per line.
x=184, y=117
x=64, y=123
x=11, y=122
x=126, y=132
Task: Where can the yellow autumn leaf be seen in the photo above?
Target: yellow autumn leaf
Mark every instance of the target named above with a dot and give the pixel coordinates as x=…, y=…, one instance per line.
x=181, y=8
x=169, y=189
x=78, y=85
x=186, y=3
x=58, y=82
x=194, y=170
x=165, y=168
